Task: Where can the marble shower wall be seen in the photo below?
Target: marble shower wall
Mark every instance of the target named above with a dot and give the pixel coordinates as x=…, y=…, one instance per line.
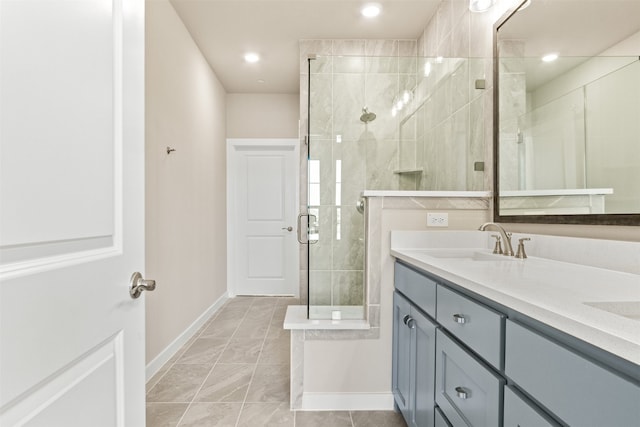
x=346, y=76
x=459, y=120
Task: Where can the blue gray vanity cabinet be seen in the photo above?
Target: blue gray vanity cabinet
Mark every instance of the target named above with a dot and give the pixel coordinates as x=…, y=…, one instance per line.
x=413, y=362
x=497, y=367
x=576, y=390
x=518, y=412
x=441, y=421
x=477, y=325
x=468, y=392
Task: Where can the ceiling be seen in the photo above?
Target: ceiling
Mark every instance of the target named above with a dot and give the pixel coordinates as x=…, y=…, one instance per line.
x=574, y=29
x=226, y=29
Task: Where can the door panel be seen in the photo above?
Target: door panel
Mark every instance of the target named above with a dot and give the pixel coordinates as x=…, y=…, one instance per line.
x=262, y=241
x=71, y=212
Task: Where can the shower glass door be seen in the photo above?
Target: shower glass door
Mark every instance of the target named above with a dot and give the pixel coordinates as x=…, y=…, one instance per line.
x=336, y=179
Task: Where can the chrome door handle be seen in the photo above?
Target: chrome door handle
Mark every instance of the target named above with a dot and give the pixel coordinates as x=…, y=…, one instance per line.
x=309, y=216
x=289, y=228
x=138, y=284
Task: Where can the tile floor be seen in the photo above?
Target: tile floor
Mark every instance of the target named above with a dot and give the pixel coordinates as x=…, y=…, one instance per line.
x=235, y=372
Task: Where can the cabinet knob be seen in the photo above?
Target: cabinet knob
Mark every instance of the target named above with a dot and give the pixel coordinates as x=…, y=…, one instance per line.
x=405, y=319
x=411, y=323
x=462, y=393
x=459, y=318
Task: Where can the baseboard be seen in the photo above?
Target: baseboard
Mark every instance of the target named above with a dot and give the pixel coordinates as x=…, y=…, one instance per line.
x=165, y=355
x=347, y=402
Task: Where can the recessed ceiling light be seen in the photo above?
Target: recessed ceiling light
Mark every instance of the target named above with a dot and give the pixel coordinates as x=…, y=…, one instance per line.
x=371, y=10
x=251, y=57
x=550, y=57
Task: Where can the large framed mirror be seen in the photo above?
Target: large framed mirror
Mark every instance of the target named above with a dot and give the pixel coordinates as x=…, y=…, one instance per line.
x=567, y=112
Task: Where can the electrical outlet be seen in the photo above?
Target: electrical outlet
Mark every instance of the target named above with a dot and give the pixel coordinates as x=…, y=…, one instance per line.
x=439, y=219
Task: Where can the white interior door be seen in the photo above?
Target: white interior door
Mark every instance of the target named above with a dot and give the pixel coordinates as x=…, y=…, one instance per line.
x=263, y=183
x=71, y=212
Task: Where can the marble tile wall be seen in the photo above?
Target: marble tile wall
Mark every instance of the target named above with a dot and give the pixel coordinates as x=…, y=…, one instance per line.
x=460, y=117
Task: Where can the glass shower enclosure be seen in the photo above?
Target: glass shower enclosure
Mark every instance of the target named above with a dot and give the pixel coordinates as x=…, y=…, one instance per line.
x=375, y=123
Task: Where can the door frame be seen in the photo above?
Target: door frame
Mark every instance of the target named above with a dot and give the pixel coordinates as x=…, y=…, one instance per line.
x=259, y=144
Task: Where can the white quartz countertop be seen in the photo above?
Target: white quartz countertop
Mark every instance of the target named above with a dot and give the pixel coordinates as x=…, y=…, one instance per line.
x=442, y=194
x=558, y=192
x=555, y=293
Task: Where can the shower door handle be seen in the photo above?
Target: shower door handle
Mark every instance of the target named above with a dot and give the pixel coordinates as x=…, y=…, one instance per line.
x=299, y=230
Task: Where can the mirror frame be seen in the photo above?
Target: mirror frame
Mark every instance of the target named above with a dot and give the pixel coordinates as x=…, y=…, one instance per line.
x=586, y=219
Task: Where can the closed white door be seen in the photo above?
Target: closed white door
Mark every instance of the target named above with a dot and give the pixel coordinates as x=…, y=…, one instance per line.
x=71, y=212
x=262, y=217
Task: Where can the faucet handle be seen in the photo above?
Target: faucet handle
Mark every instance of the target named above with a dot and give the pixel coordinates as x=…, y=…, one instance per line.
x=520, y=253
x=497, y=249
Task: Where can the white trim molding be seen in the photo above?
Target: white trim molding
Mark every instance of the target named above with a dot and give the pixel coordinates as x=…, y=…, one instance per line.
x=347, y=402
x=165, y=355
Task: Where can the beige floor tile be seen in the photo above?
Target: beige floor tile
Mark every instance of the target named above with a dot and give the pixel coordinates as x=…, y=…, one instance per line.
x=276, y=331
x=275, y=352
x=204, y=351
x=266, y=415
x=270, y=384
x=252, y=328
x=323, y=419
x=242, y=350
x=377, y=419
x=220, y=328
x=180, y=384
x=239, y=302
x=262, y=313
x=154, y=379
x=165, y=414
x=211, y=415
x=227, y=383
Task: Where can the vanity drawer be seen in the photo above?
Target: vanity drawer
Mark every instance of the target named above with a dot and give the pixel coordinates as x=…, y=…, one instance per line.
x=476, y=325
x=441, y=420
x=578, y=391
x=468, y=392
x=418, y=288
x=518, y=412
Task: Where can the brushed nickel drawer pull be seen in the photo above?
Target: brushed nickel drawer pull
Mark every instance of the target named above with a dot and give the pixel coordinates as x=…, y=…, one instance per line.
x=462, y=393
x=459, y=318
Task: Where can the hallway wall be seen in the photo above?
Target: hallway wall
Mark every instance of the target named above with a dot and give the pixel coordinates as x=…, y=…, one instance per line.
x=186, y=190
x=262, y=115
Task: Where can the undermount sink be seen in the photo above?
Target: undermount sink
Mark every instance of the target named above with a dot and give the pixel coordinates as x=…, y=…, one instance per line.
x=468, y=254
x=628, y=309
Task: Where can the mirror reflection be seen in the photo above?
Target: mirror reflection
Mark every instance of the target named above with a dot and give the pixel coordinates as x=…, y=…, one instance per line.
x=569, y=109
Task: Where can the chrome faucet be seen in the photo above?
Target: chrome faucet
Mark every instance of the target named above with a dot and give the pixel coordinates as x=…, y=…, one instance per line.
x=506, y=237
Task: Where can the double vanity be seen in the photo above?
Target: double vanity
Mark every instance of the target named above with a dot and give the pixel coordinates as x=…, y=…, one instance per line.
x=483, y=339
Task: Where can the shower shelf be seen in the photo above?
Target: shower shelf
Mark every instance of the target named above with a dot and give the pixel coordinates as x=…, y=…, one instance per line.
x=407, y=171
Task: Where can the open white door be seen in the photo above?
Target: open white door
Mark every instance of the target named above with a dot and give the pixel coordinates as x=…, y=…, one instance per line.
x=263, y=182
x=71, y=212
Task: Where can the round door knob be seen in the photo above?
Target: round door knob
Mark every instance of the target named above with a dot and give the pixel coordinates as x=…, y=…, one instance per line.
x=289, y=228
x=138, y=284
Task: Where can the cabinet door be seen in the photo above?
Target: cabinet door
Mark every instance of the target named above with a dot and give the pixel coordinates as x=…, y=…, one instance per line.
x=575, y=389
x=423, y=355
x=401, y=376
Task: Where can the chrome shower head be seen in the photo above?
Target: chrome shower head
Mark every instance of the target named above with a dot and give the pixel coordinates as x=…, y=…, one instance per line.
x=366, y=116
